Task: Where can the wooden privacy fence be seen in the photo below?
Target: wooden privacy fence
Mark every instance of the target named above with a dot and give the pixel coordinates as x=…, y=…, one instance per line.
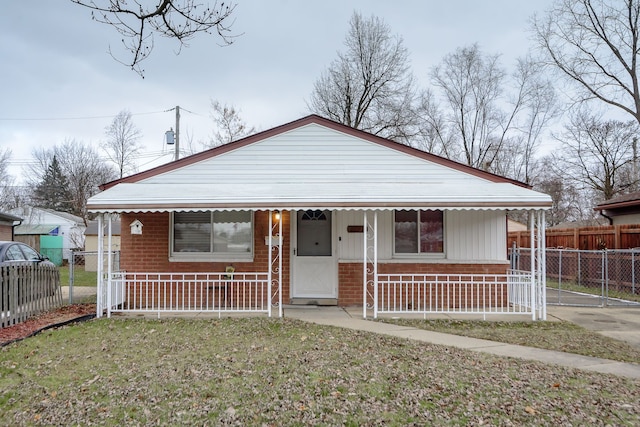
x=28, y=289
x=586, y=238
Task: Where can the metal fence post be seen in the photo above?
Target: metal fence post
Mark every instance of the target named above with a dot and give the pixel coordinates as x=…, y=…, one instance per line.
x=560, y=268
x=633, y=272
x=71, y=273
x=603, y=275
x=579, y=268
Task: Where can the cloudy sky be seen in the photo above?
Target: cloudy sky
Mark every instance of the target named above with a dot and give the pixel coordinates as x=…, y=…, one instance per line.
x=59, y=82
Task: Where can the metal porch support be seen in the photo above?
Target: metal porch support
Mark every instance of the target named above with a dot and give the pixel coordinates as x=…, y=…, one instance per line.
x=370, y=264
x=364, y=266
x=532, y=237
x=109, y=264
x=542, y=279
x=537, y=221
x=273, y=260
x=100, y=267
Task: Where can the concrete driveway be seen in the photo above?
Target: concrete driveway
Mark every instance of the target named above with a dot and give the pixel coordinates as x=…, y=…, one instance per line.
x=621, y=323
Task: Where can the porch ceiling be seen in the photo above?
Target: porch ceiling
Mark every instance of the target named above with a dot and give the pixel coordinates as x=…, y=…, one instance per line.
x=150, y=197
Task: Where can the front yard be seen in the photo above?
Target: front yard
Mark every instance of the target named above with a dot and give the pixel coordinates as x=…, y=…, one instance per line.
x=261, y=371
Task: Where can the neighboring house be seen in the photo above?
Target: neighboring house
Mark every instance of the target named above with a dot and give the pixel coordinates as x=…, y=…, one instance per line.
x=315, y=212
x=7, y=224
x=621, y=210
x=53, y=233
x=91, y=243
x=516, y=226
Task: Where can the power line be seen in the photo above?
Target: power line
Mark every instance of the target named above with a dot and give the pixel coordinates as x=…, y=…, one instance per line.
x=45, y=119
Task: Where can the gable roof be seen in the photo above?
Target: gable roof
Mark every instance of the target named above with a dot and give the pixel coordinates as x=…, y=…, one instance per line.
x=35, y=215
x=314, y=163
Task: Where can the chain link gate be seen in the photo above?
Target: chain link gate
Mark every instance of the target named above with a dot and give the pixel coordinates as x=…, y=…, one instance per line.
x=587, y=278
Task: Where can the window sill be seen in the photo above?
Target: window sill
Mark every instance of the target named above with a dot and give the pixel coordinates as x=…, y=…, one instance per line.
x=419, y=257
x=196, y=257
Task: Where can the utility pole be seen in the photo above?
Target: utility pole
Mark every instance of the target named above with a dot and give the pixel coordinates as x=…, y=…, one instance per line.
x=177, y=155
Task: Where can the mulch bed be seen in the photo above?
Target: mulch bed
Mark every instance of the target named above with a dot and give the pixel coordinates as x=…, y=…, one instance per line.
x=51, y=319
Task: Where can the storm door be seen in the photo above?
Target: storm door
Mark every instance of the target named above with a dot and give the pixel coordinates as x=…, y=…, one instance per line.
x=315, y=269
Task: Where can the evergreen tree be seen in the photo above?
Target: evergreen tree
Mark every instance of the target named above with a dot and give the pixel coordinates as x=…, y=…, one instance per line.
x=53, y=191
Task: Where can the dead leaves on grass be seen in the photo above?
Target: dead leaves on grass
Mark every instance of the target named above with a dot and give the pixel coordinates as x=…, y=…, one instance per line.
x=273, y=372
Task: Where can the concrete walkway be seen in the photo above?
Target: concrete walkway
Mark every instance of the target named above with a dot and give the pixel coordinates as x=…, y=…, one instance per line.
x=352, y=319
x=79, y=294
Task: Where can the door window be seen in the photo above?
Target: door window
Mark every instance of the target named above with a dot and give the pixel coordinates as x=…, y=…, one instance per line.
x=314, y=233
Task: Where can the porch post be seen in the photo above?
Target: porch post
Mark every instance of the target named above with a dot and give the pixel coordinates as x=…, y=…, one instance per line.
x=281, y=241
x=533, y=264
x=543, y=264
x=100, y=266
x=270, y=273
x=109, y=266
x=375, y=264
x=365, y=229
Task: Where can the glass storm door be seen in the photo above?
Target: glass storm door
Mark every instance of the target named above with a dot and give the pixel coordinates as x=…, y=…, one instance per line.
x=314, y=264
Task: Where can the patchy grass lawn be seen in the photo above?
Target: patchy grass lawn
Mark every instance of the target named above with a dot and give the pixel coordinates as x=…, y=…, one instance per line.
x=559, y=336
x=260, y=371
x=80, y=277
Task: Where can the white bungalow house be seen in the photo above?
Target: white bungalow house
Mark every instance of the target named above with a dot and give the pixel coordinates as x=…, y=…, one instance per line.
x=315, y=212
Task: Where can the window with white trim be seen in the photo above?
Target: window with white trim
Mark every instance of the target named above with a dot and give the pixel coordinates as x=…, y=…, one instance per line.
x=212, y=235
x=418, y=232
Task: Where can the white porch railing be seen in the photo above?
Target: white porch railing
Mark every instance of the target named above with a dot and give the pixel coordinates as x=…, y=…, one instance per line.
x=188, y=292
x=509, y=293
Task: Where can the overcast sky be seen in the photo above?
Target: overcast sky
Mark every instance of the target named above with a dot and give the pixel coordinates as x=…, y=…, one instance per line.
x=59, y=82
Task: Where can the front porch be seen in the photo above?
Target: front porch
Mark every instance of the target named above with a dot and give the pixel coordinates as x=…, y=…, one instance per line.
x=391, y=289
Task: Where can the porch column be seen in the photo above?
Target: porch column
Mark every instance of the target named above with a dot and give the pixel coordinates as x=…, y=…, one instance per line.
x=532, y=238
x=100, y=267
x=109, y=265
x=542, y=279
x=375, y=264
x=270, y=262
x=365, y=231
x=277, y=228
x=373, y=260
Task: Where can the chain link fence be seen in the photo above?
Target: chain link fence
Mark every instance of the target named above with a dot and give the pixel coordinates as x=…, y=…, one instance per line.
x=587, y=278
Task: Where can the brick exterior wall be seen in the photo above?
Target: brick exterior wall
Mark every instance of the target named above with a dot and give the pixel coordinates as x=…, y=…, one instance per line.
x=149, y=252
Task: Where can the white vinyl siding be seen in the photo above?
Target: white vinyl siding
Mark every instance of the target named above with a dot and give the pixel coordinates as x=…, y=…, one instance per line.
x=470, y=236
x=313, y=154
x=476, y=235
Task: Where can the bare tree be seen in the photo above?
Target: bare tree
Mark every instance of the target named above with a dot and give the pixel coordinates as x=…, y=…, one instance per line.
x=80, y=164
x=596, y=153
x=228, y=125
x=6, y=181
x=569, y=203
x=182, y=20
x=595, y=45
x=471, y=86
x=122, y=143
x=539, y=107
x=370, y=85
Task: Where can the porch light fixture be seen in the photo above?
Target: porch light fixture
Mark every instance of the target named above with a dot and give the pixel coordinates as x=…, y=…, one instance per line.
x=276, y=216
